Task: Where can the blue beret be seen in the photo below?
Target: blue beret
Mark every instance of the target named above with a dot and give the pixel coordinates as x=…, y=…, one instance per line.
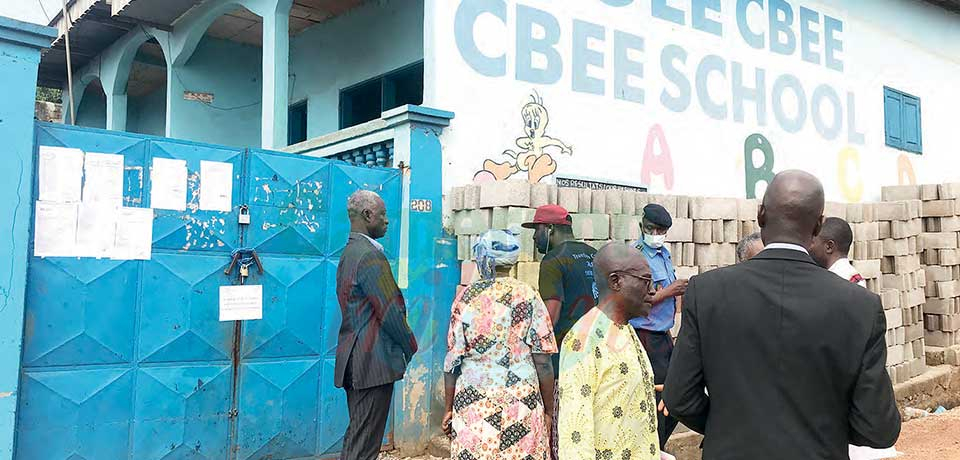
x=657, y=215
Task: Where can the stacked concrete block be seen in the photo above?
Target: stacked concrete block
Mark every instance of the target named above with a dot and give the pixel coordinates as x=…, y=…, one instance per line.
x=471, y=196
x=585, y=204
x=939, y=242
x=472, y=222
x=598, y=202
x=669, y=202
x=569, y=198
x=683, y=207
x=703, y=237
x=628, y=203
x=902, y=257
x=907, y=247
x=871, y=273
x=504, y=193
x=625, y=228
x=711, y=233
x=832, y=209
x=455, y=198
x=641, y=200
x=614, y=201
x=591, y=227
x=543, y=194
x=894, y=249
x=681, y=232
x=886, y=253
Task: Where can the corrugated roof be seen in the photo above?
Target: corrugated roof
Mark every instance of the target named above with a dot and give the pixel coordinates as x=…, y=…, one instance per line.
x=163, y=12
x=91, y=30
x=951, y=5
x=96, y=24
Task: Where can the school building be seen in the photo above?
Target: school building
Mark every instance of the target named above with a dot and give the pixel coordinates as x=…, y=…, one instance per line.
x=668, y=95
x=442, y=98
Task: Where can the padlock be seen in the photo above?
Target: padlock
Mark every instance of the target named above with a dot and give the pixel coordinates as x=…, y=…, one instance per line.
x=244, y=271
x=244, y=215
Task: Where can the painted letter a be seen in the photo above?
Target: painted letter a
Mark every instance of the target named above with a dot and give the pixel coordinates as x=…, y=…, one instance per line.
x=661, y=164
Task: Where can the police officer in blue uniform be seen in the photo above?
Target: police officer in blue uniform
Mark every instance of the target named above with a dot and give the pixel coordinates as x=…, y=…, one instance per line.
x=654, y=330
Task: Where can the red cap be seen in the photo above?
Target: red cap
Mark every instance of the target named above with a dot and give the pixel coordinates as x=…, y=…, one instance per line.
x=550, y=214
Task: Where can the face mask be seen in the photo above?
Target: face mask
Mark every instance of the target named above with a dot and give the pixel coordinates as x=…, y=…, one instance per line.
x=654, y=241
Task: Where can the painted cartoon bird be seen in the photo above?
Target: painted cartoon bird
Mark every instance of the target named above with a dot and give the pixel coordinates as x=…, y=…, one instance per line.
x=533, y=156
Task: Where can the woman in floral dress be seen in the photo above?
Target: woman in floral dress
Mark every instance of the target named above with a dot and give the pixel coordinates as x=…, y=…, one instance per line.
x=498, y=362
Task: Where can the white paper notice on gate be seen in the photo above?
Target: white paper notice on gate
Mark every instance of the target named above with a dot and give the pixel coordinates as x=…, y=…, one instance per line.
x=103, y=179
x=55, y=230
x=216, y=186
x=134, y=234
x=238, y=303
x=96, y=230
x=61, y=172
x=168, y=184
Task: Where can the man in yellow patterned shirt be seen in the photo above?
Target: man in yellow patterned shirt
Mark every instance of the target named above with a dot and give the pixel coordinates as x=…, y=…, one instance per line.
x=607, y=404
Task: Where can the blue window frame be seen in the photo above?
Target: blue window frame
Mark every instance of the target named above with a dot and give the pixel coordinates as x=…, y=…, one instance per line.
x=366, y=101
x=901, y=115
x=297, y=123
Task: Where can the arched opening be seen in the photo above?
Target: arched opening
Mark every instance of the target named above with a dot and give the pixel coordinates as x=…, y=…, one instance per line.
x=92, y=110
x=147, y=91
x=222, y=84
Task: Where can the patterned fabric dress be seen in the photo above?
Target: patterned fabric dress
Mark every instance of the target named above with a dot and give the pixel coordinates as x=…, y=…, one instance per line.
x=495, y=327
x=607, y=403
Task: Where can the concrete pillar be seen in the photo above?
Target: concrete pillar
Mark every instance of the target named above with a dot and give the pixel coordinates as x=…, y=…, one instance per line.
x=175, y=102
x=114, y=68
x=116, y=111
x=79, y=87
x=20, y=45
x=428, y=284
x=275, y=61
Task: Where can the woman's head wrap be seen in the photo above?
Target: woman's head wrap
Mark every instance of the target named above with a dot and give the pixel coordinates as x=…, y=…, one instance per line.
x=496, y=248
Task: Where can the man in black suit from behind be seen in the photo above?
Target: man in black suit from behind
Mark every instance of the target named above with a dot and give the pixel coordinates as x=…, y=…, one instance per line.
x=793, y=357
x=375, y=342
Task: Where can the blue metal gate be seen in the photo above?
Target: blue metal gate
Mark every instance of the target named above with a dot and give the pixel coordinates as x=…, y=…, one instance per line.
x=127, y=359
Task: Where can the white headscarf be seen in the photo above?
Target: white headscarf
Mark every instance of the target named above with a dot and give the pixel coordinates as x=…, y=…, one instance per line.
x=496, y=248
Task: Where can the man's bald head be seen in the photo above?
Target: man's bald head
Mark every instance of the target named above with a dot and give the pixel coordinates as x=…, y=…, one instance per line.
x=616, y=257
x=792, y=208
x=623, y=278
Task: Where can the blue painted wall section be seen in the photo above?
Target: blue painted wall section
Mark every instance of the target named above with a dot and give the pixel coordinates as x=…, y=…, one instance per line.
x=250, y=84
x=147, y=114
x=428, y=282
x=92, y=109
x=20, y=45
x=230, y=71
x=397, y=43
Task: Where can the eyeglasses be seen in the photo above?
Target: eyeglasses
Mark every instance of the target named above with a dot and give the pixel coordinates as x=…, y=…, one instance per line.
x=645, y=279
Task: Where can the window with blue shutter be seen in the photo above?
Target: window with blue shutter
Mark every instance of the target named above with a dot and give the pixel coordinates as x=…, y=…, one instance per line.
x=901, y=114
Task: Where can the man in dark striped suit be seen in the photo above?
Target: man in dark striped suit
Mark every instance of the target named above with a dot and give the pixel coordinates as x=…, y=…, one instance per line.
x=375, y=342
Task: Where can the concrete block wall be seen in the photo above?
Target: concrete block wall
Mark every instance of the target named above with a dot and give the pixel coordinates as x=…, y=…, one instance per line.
x=703, y=237
x=907, y=246
x=940, y=244
x=886, y=252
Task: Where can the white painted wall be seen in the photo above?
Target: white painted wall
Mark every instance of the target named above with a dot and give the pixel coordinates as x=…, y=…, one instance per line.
x=363, y=43
x=908, y=45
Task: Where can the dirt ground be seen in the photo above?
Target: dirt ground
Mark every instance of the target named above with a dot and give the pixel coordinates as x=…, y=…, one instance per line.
x=927, y=438
x=393, y=456
x=931, y=438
